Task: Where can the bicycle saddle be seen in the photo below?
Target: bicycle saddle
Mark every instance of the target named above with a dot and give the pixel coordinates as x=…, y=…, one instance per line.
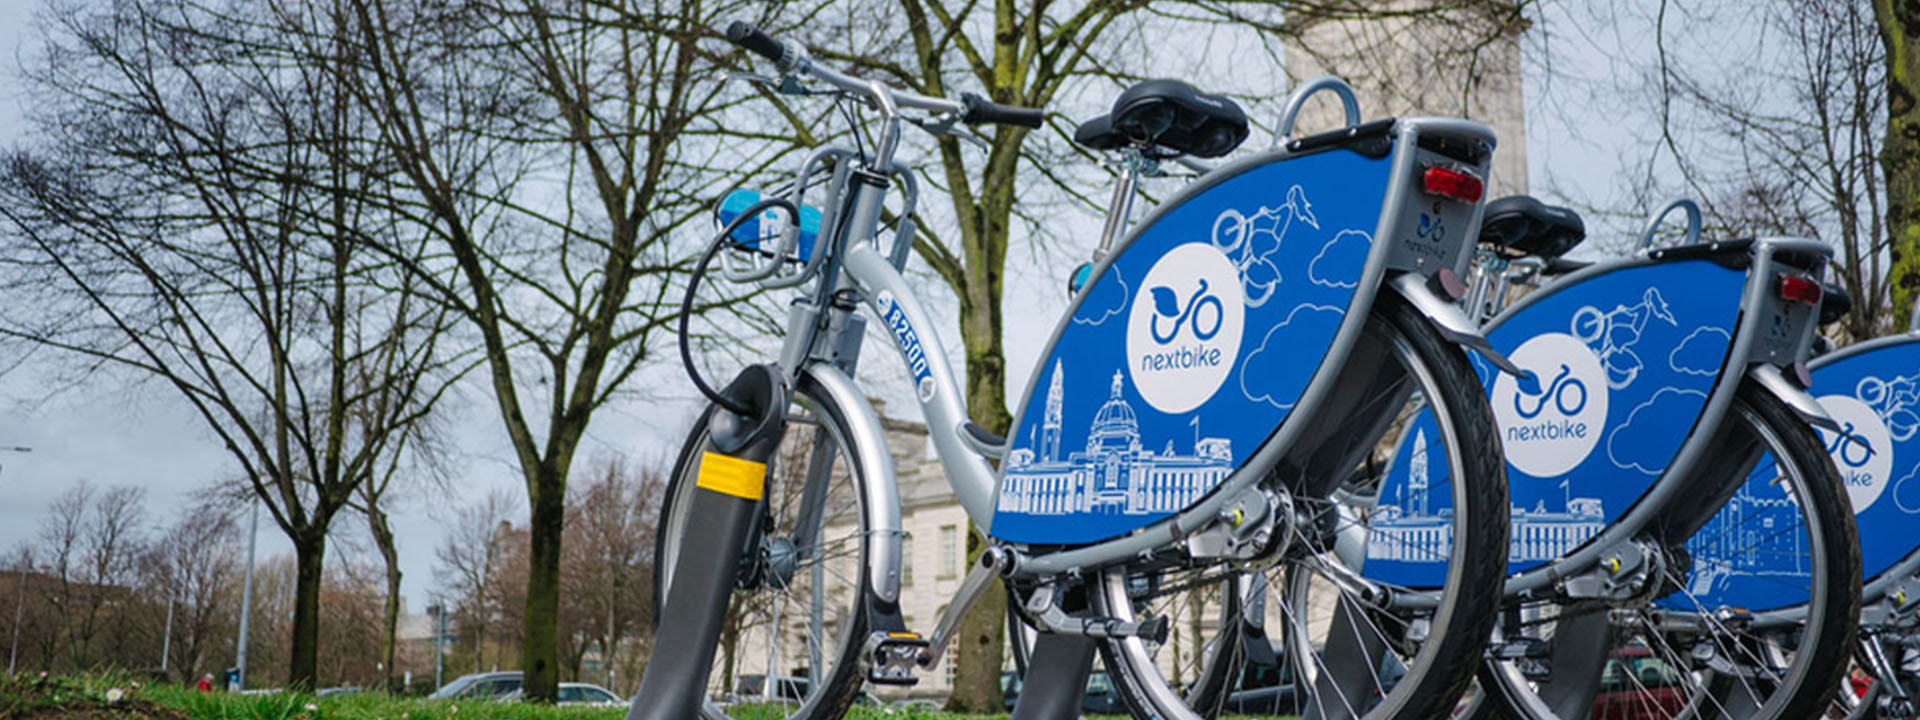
x=1530, y=227
x=1171, y=115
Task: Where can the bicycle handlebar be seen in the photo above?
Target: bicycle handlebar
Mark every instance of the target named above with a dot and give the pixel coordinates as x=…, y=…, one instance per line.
x=977, y=109
x=789, y=58
x=747, y=36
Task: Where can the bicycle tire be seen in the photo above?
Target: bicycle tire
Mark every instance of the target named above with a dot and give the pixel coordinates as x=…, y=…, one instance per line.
x=1820, y=647
x=749, y=604
x=1441, y=668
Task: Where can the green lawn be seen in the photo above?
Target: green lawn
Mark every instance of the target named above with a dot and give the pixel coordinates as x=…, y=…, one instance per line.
x=31, y=697
x=117, y=697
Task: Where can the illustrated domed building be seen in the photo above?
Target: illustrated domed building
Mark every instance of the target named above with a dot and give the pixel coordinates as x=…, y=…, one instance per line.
x=1116, y=472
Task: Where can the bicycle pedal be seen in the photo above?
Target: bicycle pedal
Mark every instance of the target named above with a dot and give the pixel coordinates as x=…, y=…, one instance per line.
x=894, y=657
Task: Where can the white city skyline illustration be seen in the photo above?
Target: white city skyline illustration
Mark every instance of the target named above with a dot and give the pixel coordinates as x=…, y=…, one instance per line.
x=1115, y=472
x=1411, y=530
x=1752, y=536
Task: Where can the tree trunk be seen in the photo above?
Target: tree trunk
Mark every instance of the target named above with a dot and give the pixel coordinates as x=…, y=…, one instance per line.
x=540, y=642
x=390, y=621
x=1900, y=157
x=982, y=634
x=976, y=672
x=309, y=551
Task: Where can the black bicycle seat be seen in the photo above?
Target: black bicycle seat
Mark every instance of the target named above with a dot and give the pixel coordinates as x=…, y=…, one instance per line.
x=1098, y=134
x=1529, y=227
x=1168, y=114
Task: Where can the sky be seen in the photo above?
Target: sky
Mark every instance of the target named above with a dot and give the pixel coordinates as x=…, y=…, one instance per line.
x=119, y=432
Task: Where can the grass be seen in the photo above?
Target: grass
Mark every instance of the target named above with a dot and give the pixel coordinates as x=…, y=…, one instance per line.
x=118, y=697
x=111, y=696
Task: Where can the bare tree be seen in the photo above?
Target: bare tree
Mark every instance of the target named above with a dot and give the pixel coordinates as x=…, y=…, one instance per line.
x=195, y=565
x=191, y=213
x=1899, y=25
x=90, y=541
x=1787, y=142
x=114, y=540
x=609, y=554
x=553, y=150
x=468, y=564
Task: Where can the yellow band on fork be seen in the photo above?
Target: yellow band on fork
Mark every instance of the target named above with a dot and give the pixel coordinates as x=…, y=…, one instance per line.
x=730, y=475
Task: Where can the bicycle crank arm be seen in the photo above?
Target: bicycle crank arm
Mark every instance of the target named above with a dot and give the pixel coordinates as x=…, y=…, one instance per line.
x=994, y=564
x=1448, y=318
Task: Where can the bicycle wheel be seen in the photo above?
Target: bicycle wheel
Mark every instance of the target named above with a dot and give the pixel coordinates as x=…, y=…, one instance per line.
x=1351, y=650
x=1783, y=541
x=790, y=644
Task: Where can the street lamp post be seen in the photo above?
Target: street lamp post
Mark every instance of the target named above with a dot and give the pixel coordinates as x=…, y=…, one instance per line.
x=166, y=640
x=246, y=599
x=19, y=605
x=439, y=612
x=20, y=579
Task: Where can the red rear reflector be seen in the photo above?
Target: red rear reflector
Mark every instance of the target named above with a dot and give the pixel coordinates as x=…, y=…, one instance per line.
x=1453, y=184
x=1799, y=289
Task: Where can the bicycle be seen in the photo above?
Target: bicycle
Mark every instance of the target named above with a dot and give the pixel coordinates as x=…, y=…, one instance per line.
x=1730, y=586
x=1593, y=591
x=761, y=529
x=1876, y=460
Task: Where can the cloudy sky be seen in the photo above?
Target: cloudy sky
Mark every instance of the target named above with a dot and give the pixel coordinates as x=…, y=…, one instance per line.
x=116, y=431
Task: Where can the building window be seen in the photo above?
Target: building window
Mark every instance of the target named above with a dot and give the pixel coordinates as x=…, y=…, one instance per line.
x=949, y=551
x=906, y=560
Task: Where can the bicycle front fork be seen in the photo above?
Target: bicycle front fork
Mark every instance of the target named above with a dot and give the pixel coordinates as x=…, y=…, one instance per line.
x=726, y=498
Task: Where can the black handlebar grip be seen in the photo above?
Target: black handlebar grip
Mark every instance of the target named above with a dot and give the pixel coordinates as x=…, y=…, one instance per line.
x=977, y=109
x=747, y=36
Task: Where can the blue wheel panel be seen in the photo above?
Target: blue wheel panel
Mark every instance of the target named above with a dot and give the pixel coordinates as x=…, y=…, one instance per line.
x=1623, y=362
x=1189, y=349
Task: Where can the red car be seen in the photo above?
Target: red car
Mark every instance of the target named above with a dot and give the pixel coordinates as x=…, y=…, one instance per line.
x=1637, y=685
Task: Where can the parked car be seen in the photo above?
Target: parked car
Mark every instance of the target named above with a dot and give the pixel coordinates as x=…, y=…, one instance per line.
x=479, y=685
x=338, y=691
x=1100, y=697
x=1638, y=685
x=1262, y=690
x=573, y=693
x=751, y=689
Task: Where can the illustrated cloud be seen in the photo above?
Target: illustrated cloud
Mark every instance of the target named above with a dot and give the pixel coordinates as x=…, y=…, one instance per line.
x=1644, y=442
x=1906, y=492
x=1104, y=300
x=1278, y=370
x=1701, y=352
x=1339, y=262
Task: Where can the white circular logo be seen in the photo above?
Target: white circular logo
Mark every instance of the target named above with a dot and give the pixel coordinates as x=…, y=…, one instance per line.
x=1550, y=423
x=1864, y=454
x=1183, y=332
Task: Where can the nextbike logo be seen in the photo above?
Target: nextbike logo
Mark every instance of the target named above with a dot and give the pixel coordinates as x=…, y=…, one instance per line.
x=1550, y=422
x=1183, y=332
x=909, y=342
x=1863, y=450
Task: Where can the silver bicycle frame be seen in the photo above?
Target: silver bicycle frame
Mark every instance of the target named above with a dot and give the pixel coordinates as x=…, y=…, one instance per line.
x=822, y=341
x=891, y=300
